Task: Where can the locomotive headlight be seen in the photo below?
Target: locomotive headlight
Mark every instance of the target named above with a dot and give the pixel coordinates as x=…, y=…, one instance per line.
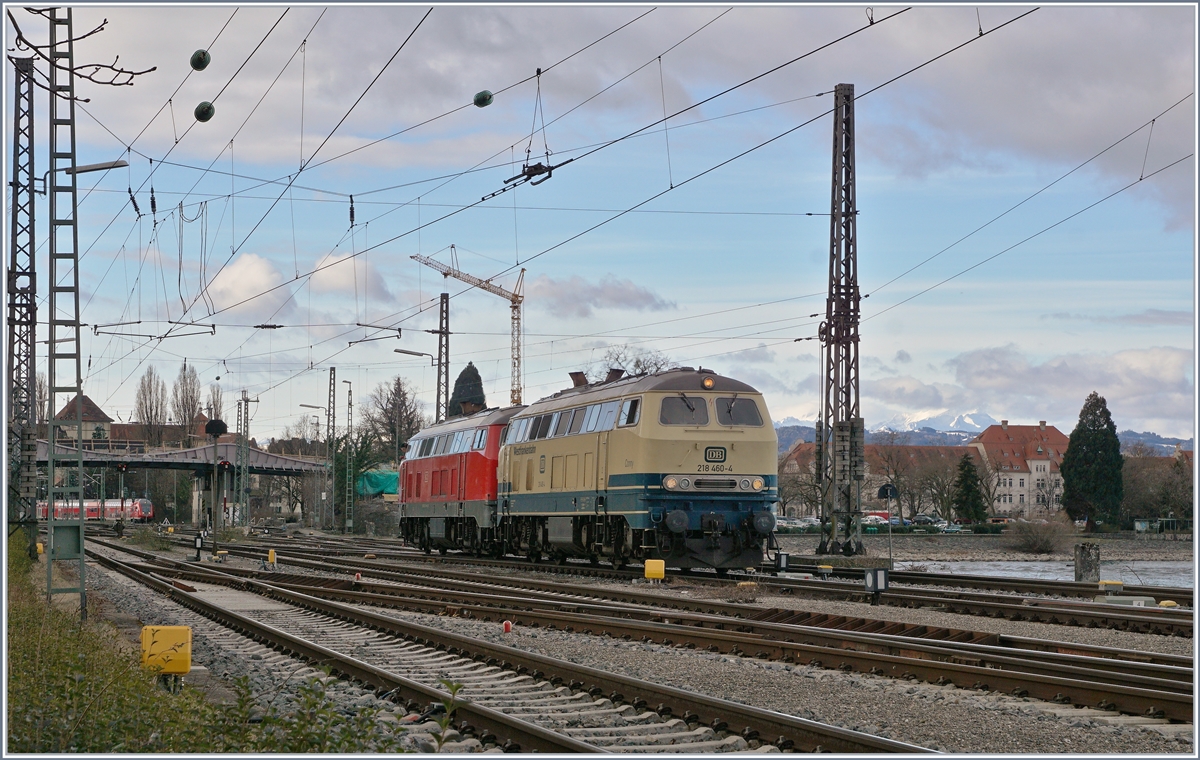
x=758, y=484
x=745, y=484
x=685, y=483
x=708, y=383
x=671, y=482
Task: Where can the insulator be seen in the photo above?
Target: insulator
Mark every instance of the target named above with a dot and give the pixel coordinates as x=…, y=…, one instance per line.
x=483, y=98
x=153, y=204
x=133, y=200
x=200, y=60
x=351, y=210
x=205, y=111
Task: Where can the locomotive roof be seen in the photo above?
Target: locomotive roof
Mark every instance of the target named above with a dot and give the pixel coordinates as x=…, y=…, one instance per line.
x=671, y=380
x=493, y=416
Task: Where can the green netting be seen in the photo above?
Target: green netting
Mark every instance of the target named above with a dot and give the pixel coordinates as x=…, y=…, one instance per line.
x=376, y=482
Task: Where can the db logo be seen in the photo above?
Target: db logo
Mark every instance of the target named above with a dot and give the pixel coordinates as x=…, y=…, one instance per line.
x=714, y=454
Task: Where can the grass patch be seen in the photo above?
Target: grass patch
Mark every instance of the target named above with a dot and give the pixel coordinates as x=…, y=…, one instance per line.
x=72, y=688
x=148, y=538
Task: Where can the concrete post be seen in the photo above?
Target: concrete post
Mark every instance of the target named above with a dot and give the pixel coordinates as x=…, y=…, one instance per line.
x=1087, y=563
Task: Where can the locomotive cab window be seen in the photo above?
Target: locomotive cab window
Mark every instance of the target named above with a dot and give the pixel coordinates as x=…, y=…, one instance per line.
x=738, y=411
x=631, y=412
x=427, y=446
x=480, y=439
x=683, y=410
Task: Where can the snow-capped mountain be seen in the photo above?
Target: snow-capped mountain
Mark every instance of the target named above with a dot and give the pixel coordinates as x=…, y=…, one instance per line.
x=793, y=422
x=973, y=421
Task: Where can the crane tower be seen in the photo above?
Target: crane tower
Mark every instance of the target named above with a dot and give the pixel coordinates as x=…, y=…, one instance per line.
x=515, y=298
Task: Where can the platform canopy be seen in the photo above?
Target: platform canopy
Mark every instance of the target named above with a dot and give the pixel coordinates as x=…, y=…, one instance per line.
x=198, y=460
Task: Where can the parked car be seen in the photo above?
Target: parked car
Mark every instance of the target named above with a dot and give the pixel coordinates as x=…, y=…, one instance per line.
x=873, y=520
x=805, y=522
x=901, y=521
x=954, y=528
x=923, y=520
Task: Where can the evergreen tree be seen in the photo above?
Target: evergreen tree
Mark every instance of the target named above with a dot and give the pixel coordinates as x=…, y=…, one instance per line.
x=1091, y=467
x=468, y=388
x=968, y=498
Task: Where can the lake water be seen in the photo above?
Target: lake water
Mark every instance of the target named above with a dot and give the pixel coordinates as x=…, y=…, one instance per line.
x=1131, y=572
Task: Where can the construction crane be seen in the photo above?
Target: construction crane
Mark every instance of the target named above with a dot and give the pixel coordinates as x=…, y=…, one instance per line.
x=514, y=296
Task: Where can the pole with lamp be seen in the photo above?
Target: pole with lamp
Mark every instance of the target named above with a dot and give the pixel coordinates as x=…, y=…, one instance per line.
x=432, y=363
x=328, y=459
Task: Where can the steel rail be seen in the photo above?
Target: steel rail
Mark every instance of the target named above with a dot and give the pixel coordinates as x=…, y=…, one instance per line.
x=750, y=722
x=1100, y=682
x=528, y=736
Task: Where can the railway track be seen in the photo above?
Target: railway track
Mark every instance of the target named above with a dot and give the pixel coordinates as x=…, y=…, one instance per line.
x=1154, y=620
x=1131, y=682
x=538, y=703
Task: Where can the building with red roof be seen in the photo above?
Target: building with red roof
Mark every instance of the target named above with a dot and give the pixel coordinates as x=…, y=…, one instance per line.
x=1024, y=462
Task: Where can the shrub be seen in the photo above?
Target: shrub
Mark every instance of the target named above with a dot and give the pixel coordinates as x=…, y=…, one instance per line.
x=71, y=689
x=987, y=528
x=1039, y=538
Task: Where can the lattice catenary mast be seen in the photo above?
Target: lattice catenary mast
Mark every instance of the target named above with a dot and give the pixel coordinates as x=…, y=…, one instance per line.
x=840, y=428
x=22, y=315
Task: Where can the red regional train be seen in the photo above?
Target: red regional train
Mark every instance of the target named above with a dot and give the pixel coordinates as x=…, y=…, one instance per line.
x=133, y=510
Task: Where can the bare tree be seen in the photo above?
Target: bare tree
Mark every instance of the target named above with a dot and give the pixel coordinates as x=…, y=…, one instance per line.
x=215, y=405
x=393, y=415
x=936, y=475
x=41, y=392
x=798, y=485
x=633, y=360
x=150, y=406
x=989, y=482
x=894, y=465
x=185, y=398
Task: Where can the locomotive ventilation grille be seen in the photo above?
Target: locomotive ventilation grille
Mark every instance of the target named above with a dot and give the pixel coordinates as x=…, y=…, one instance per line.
x=717, y=484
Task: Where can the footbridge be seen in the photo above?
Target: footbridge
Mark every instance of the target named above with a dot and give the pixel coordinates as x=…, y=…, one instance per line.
x=198, y=460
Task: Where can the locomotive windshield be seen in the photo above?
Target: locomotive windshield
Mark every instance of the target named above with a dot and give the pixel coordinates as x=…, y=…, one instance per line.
x=738, y=411
x=683, y=410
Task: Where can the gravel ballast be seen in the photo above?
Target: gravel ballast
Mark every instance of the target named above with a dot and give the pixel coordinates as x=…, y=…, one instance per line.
x=944, y=718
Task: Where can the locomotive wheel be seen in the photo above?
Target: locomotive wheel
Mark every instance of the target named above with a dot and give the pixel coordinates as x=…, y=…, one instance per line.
x=594, y=560
x=442, y=551
x=722, y=572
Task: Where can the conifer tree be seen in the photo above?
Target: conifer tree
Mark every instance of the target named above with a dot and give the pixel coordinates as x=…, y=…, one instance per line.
x=468, y=388
x=968, y=498
x=1091, y=468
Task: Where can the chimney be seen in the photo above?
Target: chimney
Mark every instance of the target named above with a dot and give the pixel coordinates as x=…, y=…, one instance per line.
x=470, y=407
x=578, y=379
x=1004, y=424
x=614, y=374
x=1042, y=424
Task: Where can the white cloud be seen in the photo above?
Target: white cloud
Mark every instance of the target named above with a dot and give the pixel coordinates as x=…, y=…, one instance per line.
x=577, y=297
x=241, y=287
x=350, y=275
x=758, y=354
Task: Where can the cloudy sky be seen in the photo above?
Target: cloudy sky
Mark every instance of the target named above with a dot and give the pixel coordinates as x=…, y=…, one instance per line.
x=1026, y=228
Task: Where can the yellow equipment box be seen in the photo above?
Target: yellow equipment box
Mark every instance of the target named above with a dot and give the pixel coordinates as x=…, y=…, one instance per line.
x=168, y=647
x=656, y=569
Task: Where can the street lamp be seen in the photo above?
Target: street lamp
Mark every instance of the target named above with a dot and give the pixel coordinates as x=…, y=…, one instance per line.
x=432, y=358
x=100, y=167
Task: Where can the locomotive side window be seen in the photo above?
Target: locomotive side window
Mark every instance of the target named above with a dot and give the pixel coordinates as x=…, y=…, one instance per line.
x=442, y=442
x=591, y=417
x=608, y=415
x=520, y=428
x=631, y=409
x=738, y=411
x=541, y=427
x=577, y=421
x=427, y=446
x=564, y=422
x=480, y=439
x=683, y=410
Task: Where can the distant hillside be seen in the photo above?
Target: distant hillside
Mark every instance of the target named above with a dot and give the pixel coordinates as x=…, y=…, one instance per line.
x=1165, y=446
x=789, y=434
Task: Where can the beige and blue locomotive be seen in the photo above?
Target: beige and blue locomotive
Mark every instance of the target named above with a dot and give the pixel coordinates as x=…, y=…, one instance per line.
x=678, y=465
